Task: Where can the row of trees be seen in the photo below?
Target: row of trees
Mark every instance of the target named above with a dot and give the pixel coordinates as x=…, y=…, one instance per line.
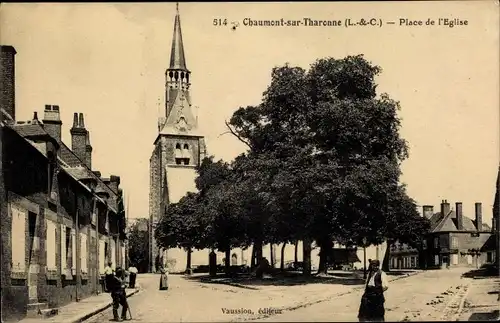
x=323, y=165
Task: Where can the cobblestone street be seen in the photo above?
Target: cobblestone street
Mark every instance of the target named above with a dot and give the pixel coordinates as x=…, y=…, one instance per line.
x=431, y=295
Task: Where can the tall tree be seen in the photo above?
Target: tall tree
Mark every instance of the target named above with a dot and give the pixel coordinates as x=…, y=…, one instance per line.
x=139, y=245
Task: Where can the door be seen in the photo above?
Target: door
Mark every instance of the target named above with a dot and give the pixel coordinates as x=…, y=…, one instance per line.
x=34, y=246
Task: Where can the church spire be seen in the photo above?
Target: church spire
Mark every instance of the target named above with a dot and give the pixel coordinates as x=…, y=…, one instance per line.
x=177, y=58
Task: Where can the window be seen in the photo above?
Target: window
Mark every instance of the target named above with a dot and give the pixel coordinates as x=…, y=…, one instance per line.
x=436, y=242
x=413, y=262
x=67, y=245
x=436, y=260
x=489, y=257
x=18, y=239
x=83, y=252
x=51, y=245
x=454, y=243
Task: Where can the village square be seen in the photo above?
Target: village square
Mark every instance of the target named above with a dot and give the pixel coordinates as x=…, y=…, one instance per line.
x=299, y=224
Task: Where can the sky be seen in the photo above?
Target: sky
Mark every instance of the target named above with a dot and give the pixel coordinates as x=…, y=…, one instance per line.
x=107, y=60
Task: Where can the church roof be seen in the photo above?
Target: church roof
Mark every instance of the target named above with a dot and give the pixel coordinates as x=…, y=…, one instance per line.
x=177, y=58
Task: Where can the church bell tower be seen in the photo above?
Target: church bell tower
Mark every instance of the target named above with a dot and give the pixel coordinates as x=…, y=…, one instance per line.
x=179, y=147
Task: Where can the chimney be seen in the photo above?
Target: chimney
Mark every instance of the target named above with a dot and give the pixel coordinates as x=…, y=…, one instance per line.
x=114, y=183
x=88, y=152
x=460, y=220
x=8, y=81
x=78, y=137
x=479, y=216
x=52, y=121
x=35, y=118
x=445, y=208
x=428, y=211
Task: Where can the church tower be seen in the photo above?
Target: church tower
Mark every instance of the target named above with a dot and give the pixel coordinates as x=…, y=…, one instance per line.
x=179, y=147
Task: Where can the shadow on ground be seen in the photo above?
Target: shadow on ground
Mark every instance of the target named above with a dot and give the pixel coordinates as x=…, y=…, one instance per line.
x=484, y=272
x=280, y=279
x=490, y=316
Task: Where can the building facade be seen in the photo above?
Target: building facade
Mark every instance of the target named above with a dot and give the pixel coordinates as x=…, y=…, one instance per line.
x=454, y=240
x=60, y=221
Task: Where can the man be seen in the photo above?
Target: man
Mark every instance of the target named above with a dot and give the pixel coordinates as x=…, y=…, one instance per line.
x=118, y=295
x=372, y=302
x=108, y=276
x=132, y=276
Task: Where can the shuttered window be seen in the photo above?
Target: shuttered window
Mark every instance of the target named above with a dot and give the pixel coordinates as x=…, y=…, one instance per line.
x=51, y=245
x=102, y=256
x=73, y=249
x=83, y=252
x=64, y=248
x=18, y=239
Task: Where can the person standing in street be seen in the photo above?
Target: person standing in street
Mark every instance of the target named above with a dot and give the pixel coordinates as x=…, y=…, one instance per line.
x=163, y=278
x=372, y=302
x=108, y=277
x=132, y=276
x=118, y=295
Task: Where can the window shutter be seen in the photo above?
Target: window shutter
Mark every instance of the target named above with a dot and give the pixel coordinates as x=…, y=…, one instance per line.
x=51, y=245
x=64, y=255
x=73, y=249
x=83, y=252
x=18, y=240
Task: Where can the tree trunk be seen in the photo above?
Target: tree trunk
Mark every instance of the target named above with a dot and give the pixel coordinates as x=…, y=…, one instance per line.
x=258, y=256
x=326, y=247
x=227, y=261
x=306, y=256
x=296, y=255
x=282, y=264
x=252, y=260
x=188, y=262
x=385, y=262
x=271, y=252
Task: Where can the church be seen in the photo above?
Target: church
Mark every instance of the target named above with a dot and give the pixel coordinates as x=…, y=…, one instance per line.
x=179, y=148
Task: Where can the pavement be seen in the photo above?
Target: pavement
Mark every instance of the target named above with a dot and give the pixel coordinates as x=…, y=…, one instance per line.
x=414, y=296
x=194, y=301
x=482, y=301
x=77, y=312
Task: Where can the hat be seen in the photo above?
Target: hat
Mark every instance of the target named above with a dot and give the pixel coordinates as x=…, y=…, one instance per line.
x=375, y=262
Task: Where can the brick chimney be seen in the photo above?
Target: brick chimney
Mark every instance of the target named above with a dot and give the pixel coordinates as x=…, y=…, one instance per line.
x=445, y=208
x=52, y=121
x=8, y=81
x=88, y=152
x=114, y=183
x=428, y=211
x=479, y=216
x=460, y=219
x=79, y=137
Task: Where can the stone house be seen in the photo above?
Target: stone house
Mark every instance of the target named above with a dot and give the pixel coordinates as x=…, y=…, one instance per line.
x=454, y=240
x=60, y=221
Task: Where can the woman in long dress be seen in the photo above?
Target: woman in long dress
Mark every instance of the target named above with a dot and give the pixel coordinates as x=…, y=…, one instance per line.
x=163, y=279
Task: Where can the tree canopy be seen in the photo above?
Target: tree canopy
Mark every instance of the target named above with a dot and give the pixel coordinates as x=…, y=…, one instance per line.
x=323, y=163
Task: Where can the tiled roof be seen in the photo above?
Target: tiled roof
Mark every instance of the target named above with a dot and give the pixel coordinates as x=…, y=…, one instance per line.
x=79, y=172
x=490, y=244
x=29, y=130
x=68, y=156
x=449, y=223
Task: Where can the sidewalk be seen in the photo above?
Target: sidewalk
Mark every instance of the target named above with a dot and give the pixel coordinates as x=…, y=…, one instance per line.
x=77, y=312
